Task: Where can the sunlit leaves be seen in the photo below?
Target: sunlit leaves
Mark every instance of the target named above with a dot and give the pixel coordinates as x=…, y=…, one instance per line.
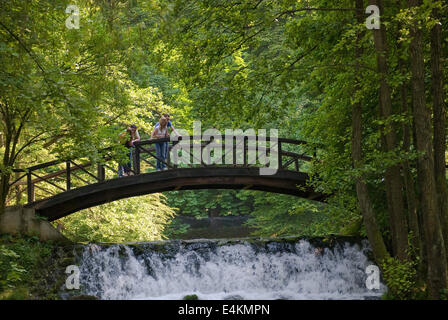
x=133, y=219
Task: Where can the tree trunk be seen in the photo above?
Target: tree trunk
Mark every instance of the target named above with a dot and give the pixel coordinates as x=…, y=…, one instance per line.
x=394, y=184
x=411, y=195
x=439, y=126
x=436, y=253
x=408, y=179
x=6, y=175
x=4, y=189
x=371, y=225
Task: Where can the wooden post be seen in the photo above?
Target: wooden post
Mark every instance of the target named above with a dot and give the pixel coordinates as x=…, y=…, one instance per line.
x=168, y=158
x=234, y=150
x=245, y=145
x=279, y=155
x=68, y=179
x=136, y=160
x=175, y=155
x=101, y=173
x=30, y=187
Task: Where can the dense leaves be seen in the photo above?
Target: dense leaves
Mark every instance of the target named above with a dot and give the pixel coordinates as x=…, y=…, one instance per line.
x=371, y=102
x=134, y=219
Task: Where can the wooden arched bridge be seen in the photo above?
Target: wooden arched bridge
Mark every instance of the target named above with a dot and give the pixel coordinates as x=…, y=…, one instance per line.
x=58, y=188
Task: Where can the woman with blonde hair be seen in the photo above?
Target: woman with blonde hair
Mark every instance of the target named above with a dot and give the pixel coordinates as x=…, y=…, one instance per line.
x=159, y=132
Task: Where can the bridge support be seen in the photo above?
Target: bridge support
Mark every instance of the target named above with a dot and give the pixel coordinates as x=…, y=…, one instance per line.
x=136, y=160
x=30, y=187
x=19, y=220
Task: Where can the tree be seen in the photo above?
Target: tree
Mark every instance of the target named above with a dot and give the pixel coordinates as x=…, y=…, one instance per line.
x=439, y=119
x=63, y=98
x=435, y=245
x=262, y=62
x=369, y=216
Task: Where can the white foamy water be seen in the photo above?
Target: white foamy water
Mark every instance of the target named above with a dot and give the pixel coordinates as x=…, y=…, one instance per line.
x=274, y=270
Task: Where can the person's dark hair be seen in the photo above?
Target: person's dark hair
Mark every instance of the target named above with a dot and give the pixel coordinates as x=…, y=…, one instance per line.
x=166, y=115
x=133, y=126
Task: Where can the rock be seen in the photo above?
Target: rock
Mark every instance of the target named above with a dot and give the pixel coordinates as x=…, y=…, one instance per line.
x=234, y=297
x=83, y=297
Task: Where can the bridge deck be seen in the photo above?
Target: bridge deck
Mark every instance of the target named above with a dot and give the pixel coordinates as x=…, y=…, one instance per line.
x=285, y=182
x=60, y=187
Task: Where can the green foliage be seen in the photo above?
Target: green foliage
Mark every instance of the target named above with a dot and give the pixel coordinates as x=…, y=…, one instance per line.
x=175, y=230
x=401, y=279
x=270, y=214
x=203, y=203
x=63, y=92
x=273, y=65
x=19, y=293
x=249, y=64
x=133, y=219
x=20, y=259
x=10, y=270
x=280, y=215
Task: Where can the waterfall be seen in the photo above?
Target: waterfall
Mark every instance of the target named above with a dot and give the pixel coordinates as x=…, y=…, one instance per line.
x=213, y=269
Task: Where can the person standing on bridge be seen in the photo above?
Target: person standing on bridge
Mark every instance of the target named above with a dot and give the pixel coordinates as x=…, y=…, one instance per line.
x=169, y=124
x=159, y=132
x=128, y=138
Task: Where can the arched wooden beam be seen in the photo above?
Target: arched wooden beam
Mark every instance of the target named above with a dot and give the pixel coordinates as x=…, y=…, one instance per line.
x=284, y=182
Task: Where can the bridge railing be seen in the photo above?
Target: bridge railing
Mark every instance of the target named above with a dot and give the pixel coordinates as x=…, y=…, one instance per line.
x=290, y=153
x=47, y=179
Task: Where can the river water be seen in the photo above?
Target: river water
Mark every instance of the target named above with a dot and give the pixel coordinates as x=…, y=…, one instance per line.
x=222, y=269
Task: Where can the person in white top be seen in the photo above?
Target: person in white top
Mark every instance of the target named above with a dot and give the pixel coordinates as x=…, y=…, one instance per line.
x=159, y=132
x=169, y=124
